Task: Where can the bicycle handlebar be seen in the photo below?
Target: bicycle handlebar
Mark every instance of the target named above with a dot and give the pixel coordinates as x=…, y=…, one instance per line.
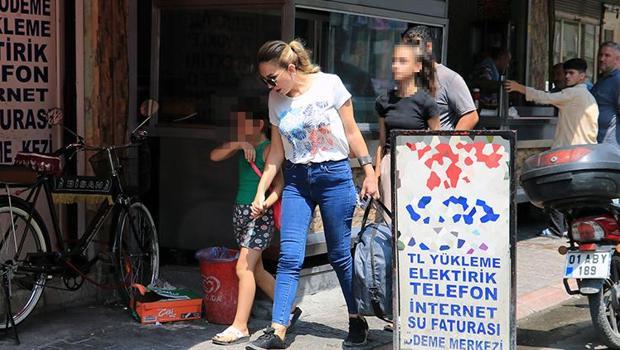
x=71, y=148
x=82, y=146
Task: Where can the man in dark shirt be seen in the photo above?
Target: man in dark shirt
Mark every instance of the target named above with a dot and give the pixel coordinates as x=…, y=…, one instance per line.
x=606, y=91
x=492, y=67
x=487, y=75
x=457, y=110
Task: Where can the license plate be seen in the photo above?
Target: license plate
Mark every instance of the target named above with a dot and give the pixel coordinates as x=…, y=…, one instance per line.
x=587, y=265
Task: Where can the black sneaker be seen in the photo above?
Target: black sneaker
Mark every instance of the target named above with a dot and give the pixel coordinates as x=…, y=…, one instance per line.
x=269, y=340
x=358, y=332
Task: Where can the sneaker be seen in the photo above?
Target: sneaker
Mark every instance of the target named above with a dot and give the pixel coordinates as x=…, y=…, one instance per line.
x=358, y=332
x=552, y=233
x=269, y=340
x=545, y=233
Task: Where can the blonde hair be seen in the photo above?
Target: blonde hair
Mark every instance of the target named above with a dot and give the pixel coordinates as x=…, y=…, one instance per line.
x=284, y=54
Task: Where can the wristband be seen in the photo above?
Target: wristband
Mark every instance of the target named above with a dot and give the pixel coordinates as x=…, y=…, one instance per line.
x=363, y=160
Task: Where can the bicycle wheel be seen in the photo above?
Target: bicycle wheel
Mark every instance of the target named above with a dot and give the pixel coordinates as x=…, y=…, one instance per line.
x=27, y=234
x=137, y=248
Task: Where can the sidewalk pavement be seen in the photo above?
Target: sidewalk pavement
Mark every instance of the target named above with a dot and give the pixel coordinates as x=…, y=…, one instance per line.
x=323, y=324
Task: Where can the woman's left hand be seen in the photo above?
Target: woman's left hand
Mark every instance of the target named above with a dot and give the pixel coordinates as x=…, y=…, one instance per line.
x=370, y=187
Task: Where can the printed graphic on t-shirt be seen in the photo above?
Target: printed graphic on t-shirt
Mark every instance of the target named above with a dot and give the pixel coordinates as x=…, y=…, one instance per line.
x=307, y=129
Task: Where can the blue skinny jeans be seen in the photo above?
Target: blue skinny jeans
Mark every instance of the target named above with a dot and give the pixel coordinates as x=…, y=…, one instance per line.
x=330, y=186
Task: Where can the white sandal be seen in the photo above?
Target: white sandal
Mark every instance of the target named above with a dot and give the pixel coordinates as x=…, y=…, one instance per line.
x=229, y=336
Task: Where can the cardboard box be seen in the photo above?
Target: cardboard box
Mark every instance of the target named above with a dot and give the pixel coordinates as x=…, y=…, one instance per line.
x=157, y=305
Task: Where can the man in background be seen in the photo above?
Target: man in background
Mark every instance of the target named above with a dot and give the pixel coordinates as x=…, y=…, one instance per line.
x=487, y=75
x=558, y=78
x=577, y=121
x=494, y=66
x=607, y=92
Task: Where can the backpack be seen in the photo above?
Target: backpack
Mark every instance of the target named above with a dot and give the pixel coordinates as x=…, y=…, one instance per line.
x=372, y=267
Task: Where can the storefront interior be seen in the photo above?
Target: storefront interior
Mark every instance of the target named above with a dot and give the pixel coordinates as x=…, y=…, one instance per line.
x=198, y=60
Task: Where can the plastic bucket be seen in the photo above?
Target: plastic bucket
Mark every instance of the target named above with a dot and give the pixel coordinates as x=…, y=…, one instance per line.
x=219, y=283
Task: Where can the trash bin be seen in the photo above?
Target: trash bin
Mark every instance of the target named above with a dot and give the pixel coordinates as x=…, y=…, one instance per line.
x=219, y=283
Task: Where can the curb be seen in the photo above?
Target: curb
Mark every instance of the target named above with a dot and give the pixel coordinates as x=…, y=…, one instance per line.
x=541, y=299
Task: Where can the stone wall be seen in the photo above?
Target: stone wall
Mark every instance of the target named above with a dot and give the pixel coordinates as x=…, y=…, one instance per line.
x=538, y=38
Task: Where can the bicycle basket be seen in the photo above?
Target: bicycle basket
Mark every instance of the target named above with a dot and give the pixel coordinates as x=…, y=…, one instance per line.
x=132, y=163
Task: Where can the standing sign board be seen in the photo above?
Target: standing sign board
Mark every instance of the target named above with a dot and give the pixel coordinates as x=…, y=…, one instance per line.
x=454, y=229
x=28, y=75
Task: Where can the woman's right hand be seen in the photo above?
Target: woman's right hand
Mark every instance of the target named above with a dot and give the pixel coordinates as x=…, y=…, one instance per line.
x=258, y=205
x=248, y=151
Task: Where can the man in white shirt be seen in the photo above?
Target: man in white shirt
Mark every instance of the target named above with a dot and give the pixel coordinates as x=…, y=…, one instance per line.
x=577, y=121
x=578, y=118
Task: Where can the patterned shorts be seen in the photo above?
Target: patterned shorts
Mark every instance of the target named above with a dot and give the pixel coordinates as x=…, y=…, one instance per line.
x=250, y=233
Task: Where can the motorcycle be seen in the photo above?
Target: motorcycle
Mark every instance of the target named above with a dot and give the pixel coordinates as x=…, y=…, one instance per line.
x=582, y=182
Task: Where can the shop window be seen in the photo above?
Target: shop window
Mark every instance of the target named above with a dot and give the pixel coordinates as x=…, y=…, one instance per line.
x=576, y=39
x=608, y=35
x=207, y=63
x=571, y=41
x=358, y=49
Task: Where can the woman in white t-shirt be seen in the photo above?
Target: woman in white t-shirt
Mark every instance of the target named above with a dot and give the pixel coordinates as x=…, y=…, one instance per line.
x=313, y=132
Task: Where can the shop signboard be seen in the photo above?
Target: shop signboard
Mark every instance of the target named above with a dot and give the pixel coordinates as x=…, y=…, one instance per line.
x=454, y=233
x=28, y=76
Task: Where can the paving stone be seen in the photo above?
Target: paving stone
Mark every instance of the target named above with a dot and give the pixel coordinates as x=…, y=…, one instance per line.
x=78, y=339
x=323, y=324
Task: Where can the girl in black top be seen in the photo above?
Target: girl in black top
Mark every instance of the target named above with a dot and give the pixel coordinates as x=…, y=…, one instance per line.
x=410, y=105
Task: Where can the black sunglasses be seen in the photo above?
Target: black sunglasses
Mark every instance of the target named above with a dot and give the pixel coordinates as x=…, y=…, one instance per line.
x=271, y=81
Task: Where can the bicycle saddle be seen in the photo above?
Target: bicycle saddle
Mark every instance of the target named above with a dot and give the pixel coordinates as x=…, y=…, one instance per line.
x=42, y=163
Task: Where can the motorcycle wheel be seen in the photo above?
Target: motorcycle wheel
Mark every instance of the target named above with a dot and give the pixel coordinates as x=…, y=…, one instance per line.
x=605, y=318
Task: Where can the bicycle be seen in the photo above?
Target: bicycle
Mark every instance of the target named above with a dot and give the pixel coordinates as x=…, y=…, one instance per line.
x=28, y=260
